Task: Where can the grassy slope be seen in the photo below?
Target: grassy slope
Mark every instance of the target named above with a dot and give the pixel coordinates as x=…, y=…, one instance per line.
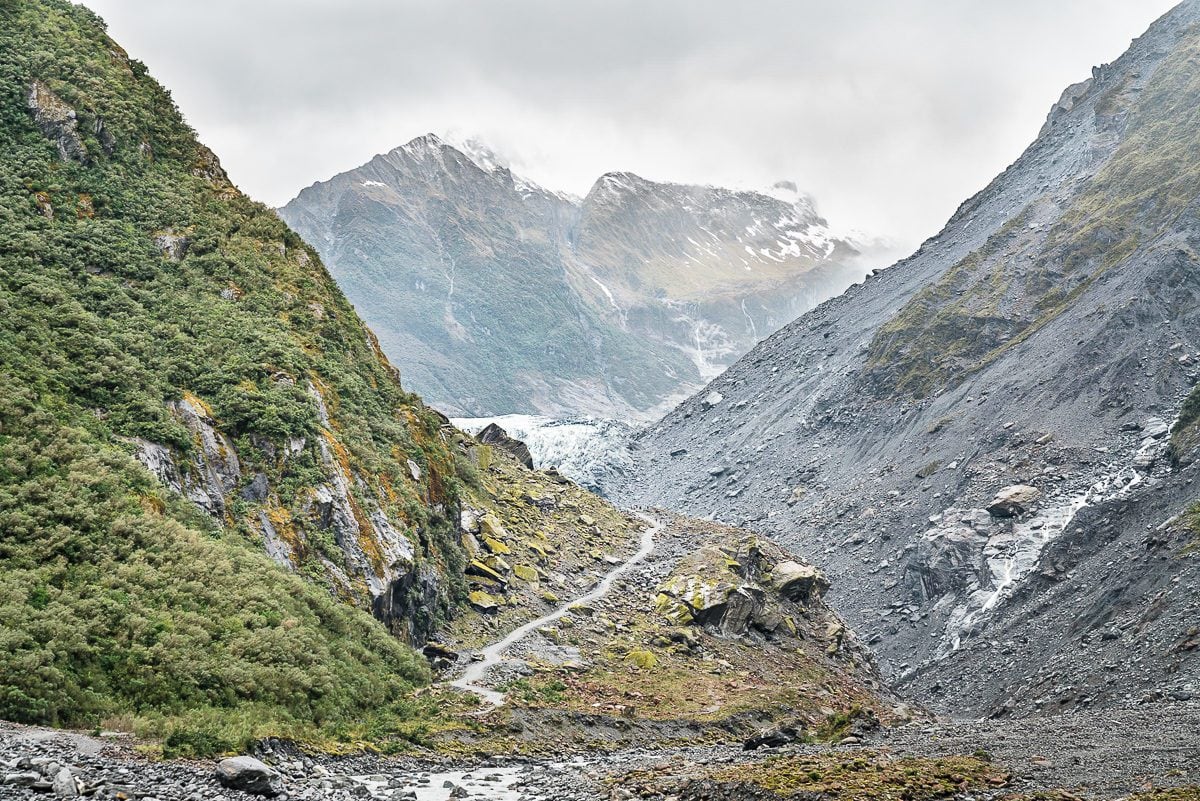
x=116, y=600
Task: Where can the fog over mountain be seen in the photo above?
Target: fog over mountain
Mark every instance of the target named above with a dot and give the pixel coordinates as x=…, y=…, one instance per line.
x=852, y=101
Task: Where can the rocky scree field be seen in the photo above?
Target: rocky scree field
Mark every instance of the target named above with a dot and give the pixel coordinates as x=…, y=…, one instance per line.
x=1046, y=338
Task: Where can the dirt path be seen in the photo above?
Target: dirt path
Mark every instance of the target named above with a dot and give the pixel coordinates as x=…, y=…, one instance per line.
x=493, y=654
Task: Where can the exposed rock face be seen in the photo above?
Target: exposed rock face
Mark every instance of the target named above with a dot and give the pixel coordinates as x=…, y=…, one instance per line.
x=495, y=435
x=57, y=122
x=1026, y=345
x=494, y=295
x=377, y=561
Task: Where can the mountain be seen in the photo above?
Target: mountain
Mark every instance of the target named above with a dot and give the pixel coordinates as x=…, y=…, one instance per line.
x=222, y=518
x=990, y=446
x=210, y=476
x=494, y=295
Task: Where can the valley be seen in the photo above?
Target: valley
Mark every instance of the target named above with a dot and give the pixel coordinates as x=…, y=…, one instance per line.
x=717, y=518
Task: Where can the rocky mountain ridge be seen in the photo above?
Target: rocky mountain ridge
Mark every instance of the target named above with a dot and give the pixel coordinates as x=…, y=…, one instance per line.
x=494, y=295
x=1045, y=338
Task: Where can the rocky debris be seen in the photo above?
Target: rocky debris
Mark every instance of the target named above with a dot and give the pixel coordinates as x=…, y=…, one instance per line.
x=250, y=775
x=57, y=122
x=1112, y=752
x=1014, y=501
x=495, y=435
x=772, y=738
x=905, y=370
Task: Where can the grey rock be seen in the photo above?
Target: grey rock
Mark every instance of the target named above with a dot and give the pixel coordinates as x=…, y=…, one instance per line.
x=249, y=775
x=64, y=784
x=57, y=122
x=1014, y=501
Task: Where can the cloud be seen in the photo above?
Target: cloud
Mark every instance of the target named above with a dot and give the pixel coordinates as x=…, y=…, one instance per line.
x=889, y=113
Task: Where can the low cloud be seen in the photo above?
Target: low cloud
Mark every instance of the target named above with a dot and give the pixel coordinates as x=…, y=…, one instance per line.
x=889, y=113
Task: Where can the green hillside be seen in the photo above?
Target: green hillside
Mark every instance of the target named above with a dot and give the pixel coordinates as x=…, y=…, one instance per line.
x=148, y=308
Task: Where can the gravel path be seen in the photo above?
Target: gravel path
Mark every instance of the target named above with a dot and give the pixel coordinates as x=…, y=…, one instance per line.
x=473, y=677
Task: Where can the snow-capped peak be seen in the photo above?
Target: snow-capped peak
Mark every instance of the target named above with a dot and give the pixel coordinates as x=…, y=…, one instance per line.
x=484, y=156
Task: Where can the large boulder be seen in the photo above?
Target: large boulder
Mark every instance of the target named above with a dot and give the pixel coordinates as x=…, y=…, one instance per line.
x=1014, y=501
x=798, y=583
x=249, y=775
x=498, y=437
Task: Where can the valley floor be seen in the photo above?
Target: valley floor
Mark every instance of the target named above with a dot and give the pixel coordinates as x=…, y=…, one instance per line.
x=1095, y=754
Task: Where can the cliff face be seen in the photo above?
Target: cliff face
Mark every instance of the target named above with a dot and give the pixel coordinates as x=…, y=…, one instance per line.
x=1040, y=347
x=494, y=295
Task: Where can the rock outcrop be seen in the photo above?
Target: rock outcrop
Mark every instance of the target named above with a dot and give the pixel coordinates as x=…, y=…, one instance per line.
x=57, y=122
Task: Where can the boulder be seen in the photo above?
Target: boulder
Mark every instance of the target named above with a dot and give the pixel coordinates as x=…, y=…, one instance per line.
x=1155, y=428
x=772, y=738
x=798, y=583
x=249, y=775
x=1014, y=501
x=483, y=602
x=498, y=437
x=64, y=785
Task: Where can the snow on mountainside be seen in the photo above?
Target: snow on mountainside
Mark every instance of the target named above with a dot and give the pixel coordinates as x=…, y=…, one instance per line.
x=496, y=295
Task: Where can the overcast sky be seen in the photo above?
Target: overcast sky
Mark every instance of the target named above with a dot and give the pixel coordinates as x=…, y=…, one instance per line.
x=890, y=112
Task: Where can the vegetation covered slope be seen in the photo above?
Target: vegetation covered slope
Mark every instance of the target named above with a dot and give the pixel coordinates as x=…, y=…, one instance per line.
x=149, y=311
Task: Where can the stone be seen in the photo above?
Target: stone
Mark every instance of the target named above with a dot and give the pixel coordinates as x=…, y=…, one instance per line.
x=480, y=569
x=23, y=779
x=1014, y=501
x=496, y=546
x=249, y=775
x=491, y=527
x=498, y=437
x=1155, y=428
x=798, y=583
x=483, y=602
x=64, y=784
x=526, y=573
x=713, y=399
x=771, y=738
